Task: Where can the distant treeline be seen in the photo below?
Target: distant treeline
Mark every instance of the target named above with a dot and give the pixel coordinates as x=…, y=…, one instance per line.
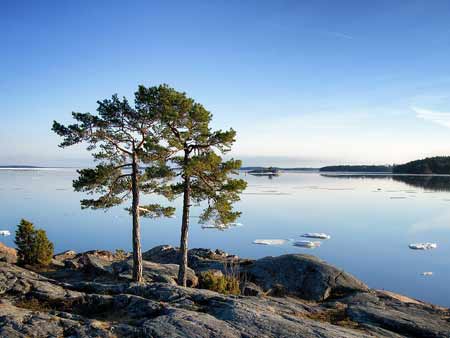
x=358, y=168
x=430, y=165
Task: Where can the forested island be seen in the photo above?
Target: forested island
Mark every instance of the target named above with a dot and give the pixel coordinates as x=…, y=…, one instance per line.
x=430, y=165
x=358, y=168
x=15, y=166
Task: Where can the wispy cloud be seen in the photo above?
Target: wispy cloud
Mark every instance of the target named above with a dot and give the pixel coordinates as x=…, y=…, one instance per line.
x=340, y=35
x=441, y=118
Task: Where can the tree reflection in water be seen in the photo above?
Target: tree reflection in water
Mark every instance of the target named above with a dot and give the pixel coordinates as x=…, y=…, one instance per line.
x=426, y=182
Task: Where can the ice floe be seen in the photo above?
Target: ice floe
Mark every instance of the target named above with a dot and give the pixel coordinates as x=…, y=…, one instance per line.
x=307, y=244
x=423, y=246
x=270, y=241
x=319, y=235
x=427, y=273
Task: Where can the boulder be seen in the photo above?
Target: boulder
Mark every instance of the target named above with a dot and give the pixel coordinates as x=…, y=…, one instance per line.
x=163, y=254
x=303, y=276
x=251, y=289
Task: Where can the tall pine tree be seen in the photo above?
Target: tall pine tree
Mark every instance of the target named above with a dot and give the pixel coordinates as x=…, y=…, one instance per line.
x=204, y=175
x=125, y=143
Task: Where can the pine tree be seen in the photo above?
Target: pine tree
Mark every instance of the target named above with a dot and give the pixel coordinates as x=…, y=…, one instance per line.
x=43, y=248
x=33, y=246
x=196, y=148
x=125, y=139
x=25, y=242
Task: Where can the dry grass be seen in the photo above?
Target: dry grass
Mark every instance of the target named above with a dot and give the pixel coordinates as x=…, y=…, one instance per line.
x=33, y=304
x=337, y=316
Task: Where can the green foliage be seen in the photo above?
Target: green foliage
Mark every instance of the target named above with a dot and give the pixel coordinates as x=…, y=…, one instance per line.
x=43, y=248
x=33, y=246
x=358, y=168
x=196, y=148
x=431, y=165
x=124, y=140
x=225, y=284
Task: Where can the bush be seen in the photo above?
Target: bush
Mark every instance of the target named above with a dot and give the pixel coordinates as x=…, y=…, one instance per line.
x=33, y=246
x=228, y=285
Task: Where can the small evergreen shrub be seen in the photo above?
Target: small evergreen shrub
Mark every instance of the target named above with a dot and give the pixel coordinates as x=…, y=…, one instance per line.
x=33, y=246
x=228, y=285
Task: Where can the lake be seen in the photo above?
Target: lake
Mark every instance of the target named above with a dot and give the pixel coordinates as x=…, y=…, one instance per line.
x=371, y=219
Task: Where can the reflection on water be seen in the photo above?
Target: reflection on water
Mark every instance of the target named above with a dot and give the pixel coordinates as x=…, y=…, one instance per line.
x=371, y=220
x=433, y=183
x=426, y=182
x=268, y=175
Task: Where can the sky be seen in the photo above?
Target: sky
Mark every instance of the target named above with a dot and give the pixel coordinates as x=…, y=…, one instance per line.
x=304, y=83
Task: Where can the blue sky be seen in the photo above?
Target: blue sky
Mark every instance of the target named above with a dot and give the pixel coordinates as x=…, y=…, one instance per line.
x=303, y=82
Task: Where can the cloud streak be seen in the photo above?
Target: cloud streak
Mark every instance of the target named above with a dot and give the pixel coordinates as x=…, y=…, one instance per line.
x=340, y=35
x=441, y=118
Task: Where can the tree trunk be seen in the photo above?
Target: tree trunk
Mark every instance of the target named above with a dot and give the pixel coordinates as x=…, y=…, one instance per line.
x=184, y=228
x=137, y=253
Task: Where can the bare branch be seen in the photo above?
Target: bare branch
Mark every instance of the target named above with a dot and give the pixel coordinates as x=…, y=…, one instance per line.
x=118, y=146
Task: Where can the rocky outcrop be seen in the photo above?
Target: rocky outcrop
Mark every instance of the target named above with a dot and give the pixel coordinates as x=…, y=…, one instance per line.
x=304, y=276
x=106, y=266
x=62, y=256
x=109, y=305
x=198, y=259
x=400, y=314
x=7, y=254
x=154, y=272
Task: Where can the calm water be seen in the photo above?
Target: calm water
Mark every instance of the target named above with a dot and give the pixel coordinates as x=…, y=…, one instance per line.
x=371, y=220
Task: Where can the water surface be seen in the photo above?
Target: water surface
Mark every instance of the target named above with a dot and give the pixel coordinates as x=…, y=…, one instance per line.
x=371, y=219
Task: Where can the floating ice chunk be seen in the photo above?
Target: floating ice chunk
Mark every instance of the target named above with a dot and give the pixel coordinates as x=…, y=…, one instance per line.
x=319, y=235
x=307, y=244
x=427, y=273
x=270, y=241
x=5, y=233
x=423, y=246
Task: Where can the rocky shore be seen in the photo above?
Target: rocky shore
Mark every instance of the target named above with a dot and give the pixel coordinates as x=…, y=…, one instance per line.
x=90, y=294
